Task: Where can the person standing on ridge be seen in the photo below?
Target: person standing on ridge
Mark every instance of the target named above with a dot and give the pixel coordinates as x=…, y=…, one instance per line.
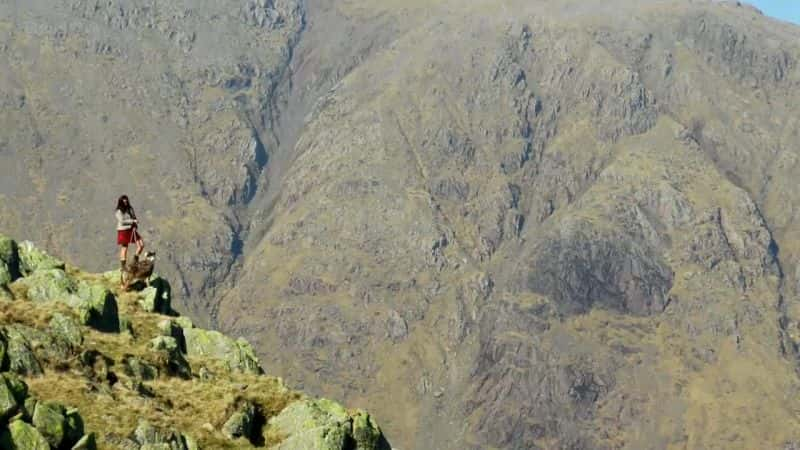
x=127, y=232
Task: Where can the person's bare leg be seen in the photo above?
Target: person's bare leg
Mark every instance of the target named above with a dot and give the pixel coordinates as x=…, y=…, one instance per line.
x=123, y=259
x=139, y=248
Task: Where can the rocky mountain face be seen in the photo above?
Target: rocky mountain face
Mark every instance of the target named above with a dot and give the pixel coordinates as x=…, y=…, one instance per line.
x=495, y=224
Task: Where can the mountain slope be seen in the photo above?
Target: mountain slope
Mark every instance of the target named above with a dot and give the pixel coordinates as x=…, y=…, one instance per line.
x=558, y=225
x=496, y=224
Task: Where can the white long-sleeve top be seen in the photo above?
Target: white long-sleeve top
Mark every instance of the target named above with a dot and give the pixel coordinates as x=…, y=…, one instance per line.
x=124, y=220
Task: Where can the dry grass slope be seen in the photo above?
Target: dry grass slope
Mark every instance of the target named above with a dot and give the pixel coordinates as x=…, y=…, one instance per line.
x=113, y=401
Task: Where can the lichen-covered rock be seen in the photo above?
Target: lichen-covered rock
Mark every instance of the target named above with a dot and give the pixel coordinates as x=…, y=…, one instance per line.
x=240, y=423
x=18, y=387
x=8, y=402
x=171, y=357
x=191, y=444
x=50, y=419
x=47, y=285
x=158, y=446
x=126, y=325
x=9, y=260
x=96, y=366
x=165, y=327
x=366, y=432
x=98, y=307
x=45, y=346
x=243, y=358
x=95, y=305
x=21, y=436
x=237, y=354
x=66, y=329
x=21, y=358
x=73, y=431
x=157, y=297
x=114, y=440
x=137, y=386
x=146, y=433
x=30, y=406
x=325, y=425
x=137, y=368
x=168, y=327
x=318, y=424
x=33, y=259
x=148, y=299
x=5, y=275
x=152, y=438
x=164, y=343
x=8, y=248
x=184, y=322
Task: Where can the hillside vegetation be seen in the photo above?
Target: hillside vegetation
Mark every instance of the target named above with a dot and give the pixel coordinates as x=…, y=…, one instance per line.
x=86, y=365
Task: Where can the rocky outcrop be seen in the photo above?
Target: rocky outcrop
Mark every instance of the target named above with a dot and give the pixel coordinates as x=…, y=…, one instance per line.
x=32, y=259
x=9, y=260
x=67, y=330
x=149, y=437
x=139, y=372
x=21, y=357
x=38, y=425
x=50, y=419
x=736, y=52
x=324, y=425
x=14, y=393
x=241, y=423
x=170, y=356
x=96, y=305
x=237, y=354
x=49, y=285
x=21, y=435
x=139, y=369
x=580, y=269
x=157, y=297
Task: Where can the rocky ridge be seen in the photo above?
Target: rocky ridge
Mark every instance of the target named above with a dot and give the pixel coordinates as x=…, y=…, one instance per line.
x=84, y=366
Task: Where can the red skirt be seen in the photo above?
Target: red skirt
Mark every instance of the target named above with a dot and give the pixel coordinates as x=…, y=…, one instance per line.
x=127, y=237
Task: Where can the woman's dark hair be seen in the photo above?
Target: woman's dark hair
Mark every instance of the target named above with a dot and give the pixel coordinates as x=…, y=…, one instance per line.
x=126, y=206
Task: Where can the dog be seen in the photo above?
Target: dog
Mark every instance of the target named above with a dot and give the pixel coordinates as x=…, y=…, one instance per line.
x=139, y=271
